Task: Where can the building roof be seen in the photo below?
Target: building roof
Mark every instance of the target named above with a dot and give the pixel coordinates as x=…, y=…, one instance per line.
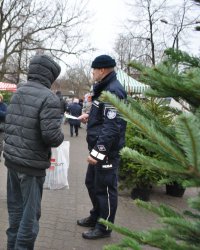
x=8, y=86
x=130, y=84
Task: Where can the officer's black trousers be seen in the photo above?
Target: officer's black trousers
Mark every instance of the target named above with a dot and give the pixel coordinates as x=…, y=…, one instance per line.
x=101, y=182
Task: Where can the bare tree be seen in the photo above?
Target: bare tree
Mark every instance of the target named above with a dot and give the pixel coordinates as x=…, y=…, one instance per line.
x=78, y=79
x=30, y=26
x=128, y=48
x=197, y=2
x=145, y=29
x=146, y=38
x=179, y=21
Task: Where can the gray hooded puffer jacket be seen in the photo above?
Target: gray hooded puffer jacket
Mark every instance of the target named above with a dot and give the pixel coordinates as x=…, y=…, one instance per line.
x=32, y=123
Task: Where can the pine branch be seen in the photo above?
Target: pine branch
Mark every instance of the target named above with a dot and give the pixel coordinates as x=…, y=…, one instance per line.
x=150, y=162
x=122, y=230
x=192, y=215
x=126, y=242
x=182, y=229
x=174, y=84
x=141, y=109
x=161, y=210
x=154, y=148
x=147, y=127
x=155, y=238
x=188, y=134
x=164, y=239
x=194, y=203
x=193, y=181
x=166, y=81
x=179, y=56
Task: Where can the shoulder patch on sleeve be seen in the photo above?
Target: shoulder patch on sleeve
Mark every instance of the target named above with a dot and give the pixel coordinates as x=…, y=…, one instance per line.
x=111, y=114
x=101, y=148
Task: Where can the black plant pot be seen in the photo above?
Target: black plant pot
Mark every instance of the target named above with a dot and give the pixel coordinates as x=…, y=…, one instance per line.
x=140, y=193
x=175, y=189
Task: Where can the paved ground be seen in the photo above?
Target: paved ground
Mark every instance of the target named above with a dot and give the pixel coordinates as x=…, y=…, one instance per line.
x=61, y=208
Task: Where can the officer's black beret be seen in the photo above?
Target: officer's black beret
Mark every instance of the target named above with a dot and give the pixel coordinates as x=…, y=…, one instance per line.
x=103, y=61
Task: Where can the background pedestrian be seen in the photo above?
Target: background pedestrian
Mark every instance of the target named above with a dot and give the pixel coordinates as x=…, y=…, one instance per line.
x=74, y=109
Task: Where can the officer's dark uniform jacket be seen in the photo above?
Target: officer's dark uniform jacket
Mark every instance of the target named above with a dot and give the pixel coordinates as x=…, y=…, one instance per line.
x=106, y=130
x=32, y=123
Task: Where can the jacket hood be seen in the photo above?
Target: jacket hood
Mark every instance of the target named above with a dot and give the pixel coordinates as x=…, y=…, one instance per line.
x=43, y=69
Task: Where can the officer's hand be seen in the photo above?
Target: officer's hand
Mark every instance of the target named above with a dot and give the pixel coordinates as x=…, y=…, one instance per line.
x=91, y=160
x=83, y=118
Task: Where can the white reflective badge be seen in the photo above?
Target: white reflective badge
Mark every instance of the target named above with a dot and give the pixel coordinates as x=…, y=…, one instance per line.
x=111, y=114
x=107, y=166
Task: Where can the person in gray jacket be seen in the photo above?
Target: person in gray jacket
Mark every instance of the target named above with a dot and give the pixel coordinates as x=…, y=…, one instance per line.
x=32, y=127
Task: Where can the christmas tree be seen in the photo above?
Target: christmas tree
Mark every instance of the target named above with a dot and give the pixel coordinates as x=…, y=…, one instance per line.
x=177, y=77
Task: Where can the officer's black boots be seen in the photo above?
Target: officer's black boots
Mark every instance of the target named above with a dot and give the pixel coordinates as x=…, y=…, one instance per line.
x=86, y=222
x=95, y=233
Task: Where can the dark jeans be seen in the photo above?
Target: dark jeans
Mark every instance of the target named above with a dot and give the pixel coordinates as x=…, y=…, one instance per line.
x=75, y=128
x=24, y=195
x=101, y=183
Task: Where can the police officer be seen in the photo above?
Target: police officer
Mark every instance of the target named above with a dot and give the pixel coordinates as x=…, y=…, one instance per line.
x=105, y=137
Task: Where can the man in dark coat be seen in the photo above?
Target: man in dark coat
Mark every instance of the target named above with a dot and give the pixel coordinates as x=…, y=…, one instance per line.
x=62, y=105
x=105, y=137
x=32, y=127
x=74, y=109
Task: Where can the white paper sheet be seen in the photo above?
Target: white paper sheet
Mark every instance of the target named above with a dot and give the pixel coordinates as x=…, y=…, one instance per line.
x=71, y=116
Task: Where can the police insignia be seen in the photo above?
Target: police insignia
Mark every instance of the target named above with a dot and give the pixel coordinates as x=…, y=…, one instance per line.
x=101, y=148
x=111, y=114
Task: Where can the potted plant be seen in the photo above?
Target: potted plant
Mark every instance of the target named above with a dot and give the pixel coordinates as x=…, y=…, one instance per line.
x=138, y=178
x=133, y=174
x=175, y=189
x=143, y=182
x=174, y=186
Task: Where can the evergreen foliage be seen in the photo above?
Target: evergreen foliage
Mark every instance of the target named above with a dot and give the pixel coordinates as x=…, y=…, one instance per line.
x=179, y=77
x=6, y=96
x=133, y=174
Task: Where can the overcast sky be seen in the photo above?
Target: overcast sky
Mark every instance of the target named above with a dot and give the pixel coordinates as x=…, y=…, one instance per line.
x=109, y=16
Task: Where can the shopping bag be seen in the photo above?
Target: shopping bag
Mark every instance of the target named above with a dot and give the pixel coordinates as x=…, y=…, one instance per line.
x=57, y=174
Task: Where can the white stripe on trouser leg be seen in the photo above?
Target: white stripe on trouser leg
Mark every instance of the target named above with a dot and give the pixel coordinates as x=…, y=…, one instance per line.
x=108, y=206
